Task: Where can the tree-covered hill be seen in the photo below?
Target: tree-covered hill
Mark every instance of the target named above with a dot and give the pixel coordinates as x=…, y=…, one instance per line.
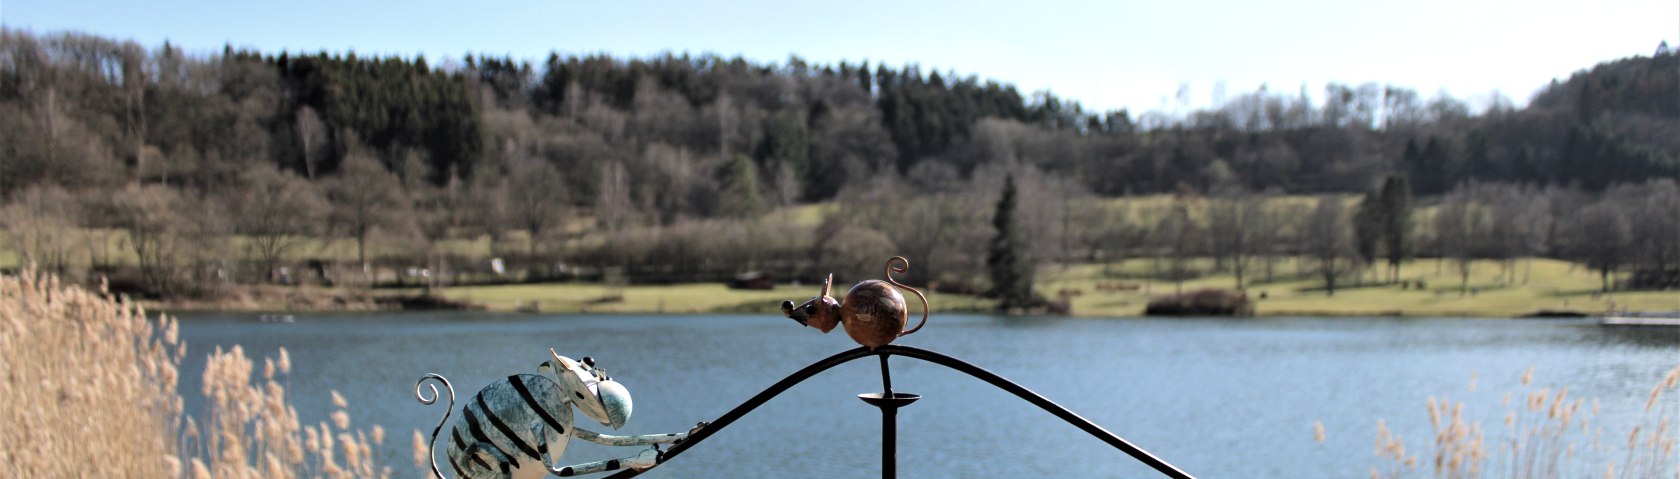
x=85, y=110
x=664, y=168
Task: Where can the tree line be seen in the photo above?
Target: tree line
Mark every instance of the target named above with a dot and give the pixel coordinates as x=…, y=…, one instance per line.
x=658, y=169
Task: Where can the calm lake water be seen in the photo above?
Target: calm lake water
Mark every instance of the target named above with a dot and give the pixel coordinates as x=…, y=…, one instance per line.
x=1218, y=398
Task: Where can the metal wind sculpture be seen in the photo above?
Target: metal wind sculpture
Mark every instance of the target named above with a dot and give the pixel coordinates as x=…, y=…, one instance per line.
x=519, y=426
x=874, y=313
x=529, y=417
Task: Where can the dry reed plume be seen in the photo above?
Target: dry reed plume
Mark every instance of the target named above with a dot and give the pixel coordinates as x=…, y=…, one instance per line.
x=91, y=384
x=1547, y=434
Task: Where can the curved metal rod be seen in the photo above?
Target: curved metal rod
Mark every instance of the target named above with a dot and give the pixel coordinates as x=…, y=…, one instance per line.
x=977, y=372
x=431, y=447
x=1043, y=403
x=756, y=401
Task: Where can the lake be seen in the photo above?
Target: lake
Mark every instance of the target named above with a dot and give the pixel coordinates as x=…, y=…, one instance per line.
x=1215, y=397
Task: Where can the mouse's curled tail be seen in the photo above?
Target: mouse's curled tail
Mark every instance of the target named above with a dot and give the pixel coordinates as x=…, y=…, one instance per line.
x=894, y=282
x=431, y=448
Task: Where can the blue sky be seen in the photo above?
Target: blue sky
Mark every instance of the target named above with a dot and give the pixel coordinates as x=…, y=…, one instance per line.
x=1106, y=55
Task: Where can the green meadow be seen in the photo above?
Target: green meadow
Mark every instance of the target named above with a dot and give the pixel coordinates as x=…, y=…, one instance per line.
x=1539, y=284
x=677, y=299
x=1120, y=290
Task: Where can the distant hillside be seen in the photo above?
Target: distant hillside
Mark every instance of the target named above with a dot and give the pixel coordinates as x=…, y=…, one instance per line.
x=1617, y=122
x=81, y=110
x=242, y=167
x=1637, y=86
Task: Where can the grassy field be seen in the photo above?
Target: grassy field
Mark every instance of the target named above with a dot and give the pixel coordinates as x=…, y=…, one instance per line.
x=682, y=298
x=115, y=249
x=1550, y=285
x=113, y=245
x=1541, y=284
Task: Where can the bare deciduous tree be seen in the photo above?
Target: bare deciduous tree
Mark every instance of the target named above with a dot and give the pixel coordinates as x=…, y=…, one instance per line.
x=1275, y=225
x=786, y=183
x=1235, y=219
x=42, y=222
x=1121, y=235
x=1600, y=240
x=1654, y=211
x=1181, y=239
x=157, y=231
x=312, y=136
x=1516, y=228
x=437, y=212
x=536, y=201
x=134, y=79
x=275, y=210
x=1328, y=238
x=365, y=196
x=1459, y=224
x=614, y=208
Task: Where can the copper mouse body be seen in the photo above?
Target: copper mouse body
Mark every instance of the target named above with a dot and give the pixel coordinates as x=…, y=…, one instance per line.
x=873, y=311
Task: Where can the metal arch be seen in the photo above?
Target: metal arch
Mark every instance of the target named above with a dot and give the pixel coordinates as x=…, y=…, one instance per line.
x=1043, y=403
x=888, y=350
x=758, y=400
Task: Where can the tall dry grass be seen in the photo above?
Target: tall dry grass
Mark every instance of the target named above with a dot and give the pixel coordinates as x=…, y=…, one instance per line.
x=1544, y=433
x=90, y=383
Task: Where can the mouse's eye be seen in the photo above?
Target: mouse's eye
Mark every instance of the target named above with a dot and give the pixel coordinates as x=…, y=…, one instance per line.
x=810, y=309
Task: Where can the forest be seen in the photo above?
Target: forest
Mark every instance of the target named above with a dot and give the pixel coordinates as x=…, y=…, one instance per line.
x=177, y=173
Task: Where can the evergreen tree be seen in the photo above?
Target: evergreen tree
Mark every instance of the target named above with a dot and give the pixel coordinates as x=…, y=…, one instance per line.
x=1429, y=166
x=1383, y=224
x=1396, y=201
x=1368, y=227
x=1012, y=274
x=738, y=180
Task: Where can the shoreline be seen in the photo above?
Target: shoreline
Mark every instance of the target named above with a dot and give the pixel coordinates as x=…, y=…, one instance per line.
x=1556, y=289
x=262, y=299
x=1546, y=288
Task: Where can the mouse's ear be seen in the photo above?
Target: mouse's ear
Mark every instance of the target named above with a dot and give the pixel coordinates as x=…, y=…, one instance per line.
x=562, y=361
x=828, y=284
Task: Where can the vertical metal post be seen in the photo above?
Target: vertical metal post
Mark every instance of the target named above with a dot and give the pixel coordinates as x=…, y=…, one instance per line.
x=889, y=425
x=889, y=402
x=886, y=376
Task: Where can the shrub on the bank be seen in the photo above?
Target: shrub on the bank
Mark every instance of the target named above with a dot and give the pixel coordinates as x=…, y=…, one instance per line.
x=1204, y=302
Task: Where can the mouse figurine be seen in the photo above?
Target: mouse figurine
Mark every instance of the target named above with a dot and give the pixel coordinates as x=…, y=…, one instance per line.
x=873, y=312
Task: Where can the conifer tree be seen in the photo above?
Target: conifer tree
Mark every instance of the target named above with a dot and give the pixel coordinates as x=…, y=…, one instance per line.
x=1012, y=274
x=1396, y=201
x=738, y=180
x=1368, y=225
